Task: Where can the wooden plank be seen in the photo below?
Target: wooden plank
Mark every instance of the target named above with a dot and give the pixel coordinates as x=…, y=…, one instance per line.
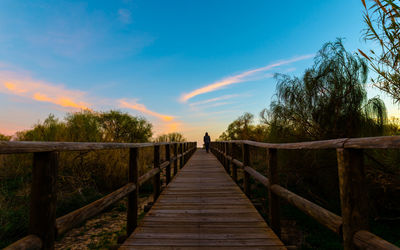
x=202, y=208
x=30, y=242
x=202, y=242
x=76, y=217
x=366, y=240
x=204, y=247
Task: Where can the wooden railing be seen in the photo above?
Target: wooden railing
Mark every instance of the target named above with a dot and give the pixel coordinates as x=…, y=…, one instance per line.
x=43, y=224
x=352, y=226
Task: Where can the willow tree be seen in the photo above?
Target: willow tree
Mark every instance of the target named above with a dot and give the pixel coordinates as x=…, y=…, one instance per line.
x=382, y=19
x=329, y=101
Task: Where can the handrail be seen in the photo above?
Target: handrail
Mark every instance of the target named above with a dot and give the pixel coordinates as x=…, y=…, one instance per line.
x=14, y=147
x=44, y=227
x=350, y=226
x=383, y=142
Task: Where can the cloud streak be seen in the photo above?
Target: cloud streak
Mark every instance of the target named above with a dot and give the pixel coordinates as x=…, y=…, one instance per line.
x=133, y=104
x=220, y=98
x=19, y=83
x=238, y=78
x=11, y=83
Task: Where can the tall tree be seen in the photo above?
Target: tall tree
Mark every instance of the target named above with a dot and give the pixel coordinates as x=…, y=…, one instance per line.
x=122, y=127
x=243, y=128
x=170, y=137
x=329, y=101
x=382, y=18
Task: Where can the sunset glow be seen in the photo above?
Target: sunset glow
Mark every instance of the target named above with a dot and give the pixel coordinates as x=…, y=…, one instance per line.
x=178, y=69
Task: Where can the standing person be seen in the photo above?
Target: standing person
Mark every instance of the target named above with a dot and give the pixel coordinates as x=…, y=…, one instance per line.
x=207, y=141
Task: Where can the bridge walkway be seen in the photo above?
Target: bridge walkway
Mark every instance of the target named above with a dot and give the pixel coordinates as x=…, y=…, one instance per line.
x=202, y=208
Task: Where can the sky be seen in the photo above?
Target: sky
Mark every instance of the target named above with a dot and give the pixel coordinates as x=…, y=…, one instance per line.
x=185, y=66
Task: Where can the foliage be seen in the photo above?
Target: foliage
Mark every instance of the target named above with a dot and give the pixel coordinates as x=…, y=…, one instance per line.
x=89, y=126
x=243, y=129
x=120, y=127
x=329, y=101
x=82, y=176
x=383, y=27
x=4, y=137
x=171, y=137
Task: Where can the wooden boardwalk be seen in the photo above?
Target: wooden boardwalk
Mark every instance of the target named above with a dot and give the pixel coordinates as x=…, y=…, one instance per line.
x=202, y=208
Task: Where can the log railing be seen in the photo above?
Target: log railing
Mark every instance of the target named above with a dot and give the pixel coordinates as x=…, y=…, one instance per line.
x=44, y=227
x=352, y=226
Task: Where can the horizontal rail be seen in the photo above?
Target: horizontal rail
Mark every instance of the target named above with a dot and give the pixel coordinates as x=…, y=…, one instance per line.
x=147, y=176
x=13, y=147
x=366, y=240
x=366, y=142
x=323, y=216
x=350, y=165
x=31, y=242
x=73, y=219
x=238, y=163
x=45, y=164
x=256, y=175
x=165, y=164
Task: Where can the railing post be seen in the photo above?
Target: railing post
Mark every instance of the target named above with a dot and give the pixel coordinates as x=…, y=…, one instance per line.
x=42, y=221
x=176, y=158
x=273, y=199
x=133, y=196
x=227, y=161
x=184, y=151
x=168, y=158
x=181, y=159
x=246, y=162
x=234, y=168
x=219, y=152
x=156, y=178
x=353, y=194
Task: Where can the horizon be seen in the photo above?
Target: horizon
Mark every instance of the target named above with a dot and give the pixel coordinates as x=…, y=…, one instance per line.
x=186, y=67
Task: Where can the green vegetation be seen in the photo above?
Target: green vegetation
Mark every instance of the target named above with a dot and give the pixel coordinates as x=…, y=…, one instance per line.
x=383, y=27
x=328, y=101
x=83, y=176
x=171, y=137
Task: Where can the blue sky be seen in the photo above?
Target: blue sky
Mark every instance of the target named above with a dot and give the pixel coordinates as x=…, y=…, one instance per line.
x=187, y=66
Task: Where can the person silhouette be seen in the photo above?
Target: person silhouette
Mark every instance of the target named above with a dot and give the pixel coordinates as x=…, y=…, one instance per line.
x=207, y=141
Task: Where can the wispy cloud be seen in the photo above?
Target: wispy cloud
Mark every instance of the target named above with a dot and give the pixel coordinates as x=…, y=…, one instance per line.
x=133, y=104
x=220, y=98
x=15, y=84
x=19, y=83
x=239, y=78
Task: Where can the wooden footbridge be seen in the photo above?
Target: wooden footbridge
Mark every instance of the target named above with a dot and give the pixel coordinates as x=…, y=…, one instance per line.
x=202, y=207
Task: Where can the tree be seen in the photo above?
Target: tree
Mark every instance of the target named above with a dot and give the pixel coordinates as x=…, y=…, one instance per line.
x=243, y=129
x=83, y=126
x=4, y=137
x=171, y=137
x=383, y=27
x=90, y=126
x=122, y=127
x=329, y=101
x=50, y=130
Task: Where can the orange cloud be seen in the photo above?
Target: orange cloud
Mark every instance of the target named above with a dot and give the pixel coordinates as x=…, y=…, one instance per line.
x=140, y=107
x=238, y=78
x=13, y=83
